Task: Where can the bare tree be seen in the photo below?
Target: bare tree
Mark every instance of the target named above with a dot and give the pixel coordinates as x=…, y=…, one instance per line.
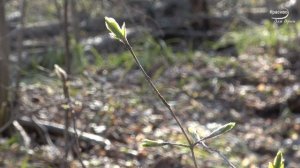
x=4, y=68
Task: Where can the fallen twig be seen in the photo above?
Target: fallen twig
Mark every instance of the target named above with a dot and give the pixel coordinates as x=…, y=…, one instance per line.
x=25, y=137
x=42, y=131
x=58, y=129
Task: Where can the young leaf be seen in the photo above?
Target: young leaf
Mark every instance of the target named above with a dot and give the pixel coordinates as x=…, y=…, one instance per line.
x=194, y=134
x=60, y=72
x=152, y=143
x=221, y=130
x=65, y=106
x=124, y=30
x=278, y=161
x=115, y=30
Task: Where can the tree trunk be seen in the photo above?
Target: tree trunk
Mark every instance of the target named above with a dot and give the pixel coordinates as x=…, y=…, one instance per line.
x=20, y=50
x=4, y=73
x=68, y=56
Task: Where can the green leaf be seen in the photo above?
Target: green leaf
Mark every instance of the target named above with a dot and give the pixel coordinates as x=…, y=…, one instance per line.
x=115, y=30
x=124, y=30
x=194, y=134
x=152, y=143
x=278, y=161
x=65, y=106
x=60, y=72
x=221, y=130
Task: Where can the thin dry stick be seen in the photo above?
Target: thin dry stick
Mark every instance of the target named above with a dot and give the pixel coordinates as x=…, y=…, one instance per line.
x=128, y=46
x=67, y=119
x=23, y=134
x=68, y=112
x=76, y=139
x=42, y=130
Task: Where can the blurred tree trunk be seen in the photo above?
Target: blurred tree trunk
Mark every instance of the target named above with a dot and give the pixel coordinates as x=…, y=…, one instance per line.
x=20, y=39
x=74, y=20
x=58, y=11
x=4, y=72
x=68, y=56
x=200, y=7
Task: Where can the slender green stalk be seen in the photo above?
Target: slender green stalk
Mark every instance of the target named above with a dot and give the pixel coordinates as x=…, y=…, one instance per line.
x=119, y=33
x=217, y=152
x=128, y=46
x=193, y=156
x=178, y=144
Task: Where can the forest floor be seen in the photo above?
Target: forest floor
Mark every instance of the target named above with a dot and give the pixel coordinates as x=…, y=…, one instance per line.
x=255, y=90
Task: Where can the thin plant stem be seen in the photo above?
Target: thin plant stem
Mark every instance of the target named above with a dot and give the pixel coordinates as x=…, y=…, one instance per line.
x=193, y=156
x=69, y=111
x=67, y=122
x=217, y=152
x=128, y=46
x=76, y=139
x=201, y=143
x=176, y=144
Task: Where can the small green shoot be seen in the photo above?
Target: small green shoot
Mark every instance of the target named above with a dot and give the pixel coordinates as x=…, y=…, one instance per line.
x=60, y=72
x=116, y=32
x=278, y=161
x=120, y=34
